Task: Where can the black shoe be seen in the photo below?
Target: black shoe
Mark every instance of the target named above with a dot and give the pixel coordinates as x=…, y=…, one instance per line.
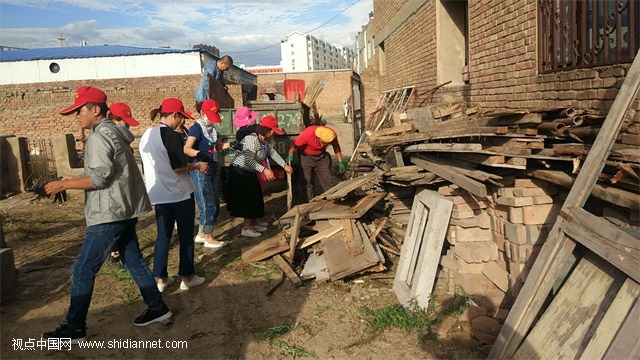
x=114, y=257
x=149, y=317
x=64, y=332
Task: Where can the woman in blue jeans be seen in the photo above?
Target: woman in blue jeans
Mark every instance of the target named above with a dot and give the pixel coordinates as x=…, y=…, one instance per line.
x=202, y=145
x=171, y=192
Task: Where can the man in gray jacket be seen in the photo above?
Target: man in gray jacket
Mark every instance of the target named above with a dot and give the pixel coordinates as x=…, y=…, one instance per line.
x=114, y=198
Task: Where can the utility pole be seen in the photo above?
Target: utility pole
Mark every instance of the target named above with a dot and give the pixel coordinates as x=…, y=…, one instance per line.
x=61, y=39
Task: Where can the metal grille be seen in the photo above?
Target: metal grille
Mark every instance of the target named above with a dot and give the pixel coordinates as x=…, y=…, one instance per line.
x=585, y=33
x=41, y=165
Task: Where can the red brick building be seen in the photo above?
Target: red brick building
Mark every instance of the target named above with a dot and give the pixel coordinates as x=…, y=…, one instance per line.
x=516, y=59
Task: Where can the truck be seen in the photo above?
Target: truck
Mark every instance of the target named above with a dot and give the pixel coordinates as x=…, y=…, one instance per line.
x=293, y=116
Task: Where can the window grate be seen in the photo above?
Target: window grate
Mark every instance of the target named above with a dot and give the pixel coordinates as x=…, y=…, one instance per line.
x=586, y=33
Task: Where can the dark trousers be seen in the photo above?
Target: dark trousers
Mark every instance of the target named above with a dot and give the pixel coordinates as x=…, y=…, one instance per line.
x=167, y=215
x=99, y=240
x=321, y=165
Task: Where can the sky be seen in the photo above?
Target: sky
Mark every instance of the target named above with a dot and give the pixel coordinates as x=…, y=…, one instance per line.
x=248, y=30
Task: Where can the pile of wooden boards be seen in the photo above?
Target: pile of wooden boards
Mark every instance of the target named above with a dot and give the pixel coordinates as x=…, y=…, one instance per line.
x=328, y=238
x=474, y=151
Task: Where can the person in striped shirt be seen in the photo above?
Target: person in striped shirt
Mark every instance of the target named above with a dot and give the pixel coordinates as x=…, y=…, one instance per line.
x=245, y=193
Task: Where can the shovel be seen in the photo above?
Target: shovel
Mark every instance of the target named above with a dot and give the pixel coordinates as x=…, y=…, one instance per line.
x=289, y=190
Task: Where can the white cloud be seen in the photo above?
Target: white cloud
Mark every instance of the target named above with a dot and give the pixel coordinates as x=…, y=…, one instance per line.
x=234, y=27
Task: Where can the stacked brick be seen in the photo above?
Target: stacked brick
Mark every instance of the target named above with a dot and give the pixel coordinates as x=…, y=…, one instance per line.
x=522, y=216
x=492, y=243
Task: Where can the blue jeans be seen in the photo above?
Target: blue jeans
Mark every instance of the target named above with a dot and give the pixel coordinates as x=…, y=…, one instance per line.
x=207, y=196
x=167, y=215
x=99, y=240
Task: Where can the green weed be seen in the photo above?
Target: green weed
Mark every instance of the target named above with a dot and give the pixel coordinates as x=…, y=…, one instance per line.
x=278, y=330
x=458, y=305
x=411, y=318
x=294, y=351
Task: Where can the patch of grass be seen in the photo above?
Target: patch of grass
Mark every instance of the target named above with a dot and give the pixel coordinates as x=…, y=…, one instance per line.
x=269, y=333
x=411, y=318
x=294, y=351
x=278, y=330
x=458, y=305
x=265, y=270
x=128, y=290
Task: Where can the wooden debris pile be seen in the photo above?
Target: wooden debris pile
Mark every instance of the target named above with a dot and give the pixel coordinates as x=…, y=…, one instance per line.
x=329, y=238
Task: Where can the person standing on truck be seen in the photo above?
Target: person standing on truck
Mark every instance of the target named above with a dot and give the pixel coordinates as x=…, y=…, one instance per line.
x=114, y=199
x=312, y=143
x=245, y=193
x=203, y=145
x=216, y=69
x=171, y=192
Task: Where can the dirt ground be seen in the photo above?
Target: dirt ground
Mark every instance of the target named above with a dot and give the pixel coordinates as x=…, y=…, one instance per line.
x=227, y=318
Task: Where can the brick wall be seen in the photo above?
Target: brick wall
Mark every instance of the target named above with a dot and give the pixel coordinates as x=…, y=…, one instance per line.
x=31, y=110
x=502, y=59
x=330, y=100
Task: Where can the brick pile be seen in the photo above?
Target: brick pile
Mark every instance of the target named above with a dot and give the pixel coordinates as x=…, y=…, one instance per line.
x=492, y=243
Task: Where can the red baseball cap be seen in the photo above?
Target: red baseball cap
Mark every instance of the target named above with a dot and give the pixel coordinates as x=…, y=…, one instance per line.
x=211, y=108
x=272, y=123
x=84, y=95
x=123, y=111
x=174, y=105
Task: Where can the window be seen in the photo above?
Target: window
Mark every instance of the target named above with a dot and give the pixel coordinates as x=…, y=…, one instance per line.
x=580, y=34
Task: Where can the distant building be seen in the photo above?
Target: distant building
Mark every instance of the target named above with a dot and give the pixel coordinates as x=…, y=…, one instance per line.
x=264, y=69
x=107, y=62
x=304, y=52
x=364, y=47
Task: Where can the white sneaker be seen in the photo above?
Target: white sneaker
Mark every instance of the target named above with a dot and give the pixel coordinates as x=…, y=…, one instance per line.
x=195, y=281
x=259, y=228
x=215, y=246
x=162, y=287
x=262, y=223
x=200, y=240
x=250, y=233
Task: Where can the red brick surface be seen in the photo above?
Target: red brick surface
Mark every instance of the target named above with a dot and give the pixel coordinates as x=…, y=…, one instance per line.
x=31, y=110
x=502, y=60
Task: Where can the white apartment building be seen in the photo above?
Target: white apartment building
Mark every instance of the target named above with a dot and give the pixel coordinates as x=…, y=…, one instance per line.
x=304, y=52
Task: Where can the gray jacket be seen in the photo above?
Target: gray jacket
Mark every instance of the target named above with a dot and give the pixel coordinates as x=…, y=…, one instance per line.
x=118, y=189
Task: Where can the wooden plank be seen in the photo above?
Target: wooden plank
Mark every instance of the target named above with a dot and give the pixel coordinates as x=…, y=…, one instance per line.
x=626, y=345
x=295, y=231
x=302, y=209
x=344, y=188
x=351, y=208
x=612, y=321
x=472, y=186
x=563, y=330
x=321, y=235
x=444, y=147
x=537, y=286
x=341, y=263
x=267, y=248
x=420, y=253
x=605, y=239
x=404, y=128
x=287, y=270
x=610, y=194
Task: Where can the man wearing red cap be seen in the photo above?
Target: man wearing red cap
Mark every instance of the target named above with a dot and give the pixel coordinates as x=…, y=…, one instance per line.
x=114, y=198
x=312, y=143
